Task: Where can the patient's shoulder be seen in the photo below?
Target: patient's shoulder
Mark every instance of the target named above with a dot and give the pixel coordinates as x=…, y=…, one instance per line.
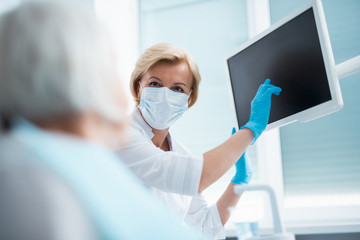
x=36, y=200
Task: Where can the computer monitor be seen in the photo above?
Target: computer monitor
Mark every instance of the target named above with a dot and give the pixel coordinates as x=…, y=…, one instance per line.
x=296, y=55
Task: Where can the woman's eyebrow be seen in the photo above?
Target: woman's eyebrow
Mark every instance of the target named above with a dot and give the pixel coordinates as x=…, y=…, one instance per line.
x=180, y=83
x=154, y=78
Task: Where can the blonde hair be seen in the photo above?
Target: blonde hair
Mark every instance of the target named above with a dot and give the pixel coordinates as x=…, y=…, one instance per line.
x=168, y=53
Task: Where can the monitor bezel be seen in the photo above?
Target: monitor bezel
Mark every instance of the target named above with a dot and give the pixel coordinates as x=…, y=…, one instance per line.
x=336, y=102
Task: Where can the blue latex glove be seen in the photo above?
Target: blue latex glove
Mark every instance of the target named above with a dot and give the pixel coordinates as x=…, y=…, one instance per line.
x=260, y=108
x=244, y=169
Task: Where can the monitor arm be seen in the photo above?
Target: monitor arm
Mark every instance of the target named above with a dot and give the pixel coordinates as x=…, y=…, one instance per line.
x=348, y=67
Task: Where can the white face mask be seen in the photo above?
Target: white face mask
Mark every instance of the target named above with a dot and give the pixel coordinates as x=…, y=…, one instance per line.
x=161, y=107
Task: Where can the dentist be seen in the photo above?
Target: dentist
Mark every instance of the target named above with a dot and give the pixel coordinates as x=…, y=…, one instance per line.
x=164, y=84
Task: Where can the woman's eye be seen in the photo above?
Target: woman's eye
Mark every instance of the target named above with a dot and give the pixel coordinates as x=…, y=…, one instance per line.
x=154, y=84
x=178, y=89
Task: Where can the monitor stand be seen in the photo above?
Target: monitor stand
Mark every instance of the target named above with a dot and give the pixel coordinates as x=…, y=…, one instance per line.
x=348, y=67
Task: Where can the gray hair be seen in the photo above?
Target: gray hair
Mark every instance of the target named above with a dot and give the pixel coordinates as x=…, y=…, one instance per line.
x=56, y=59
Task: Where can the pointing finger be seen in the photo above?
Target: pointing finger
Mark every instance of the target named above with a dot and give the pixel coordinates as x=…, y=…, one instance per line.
x=273, y=90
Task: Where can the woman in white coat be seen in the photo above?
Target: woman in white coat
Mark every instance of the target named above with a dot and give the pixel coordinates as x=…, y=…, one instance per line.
x=164, y=85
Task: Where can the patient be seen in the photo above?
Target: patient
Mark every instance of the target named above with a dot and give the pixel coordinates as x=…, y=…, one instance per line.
x=64, y=107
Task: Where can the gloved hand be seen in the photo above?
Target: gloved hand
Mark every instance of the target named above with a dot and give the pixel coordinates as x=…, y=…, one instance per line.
x=260, y=108
x=244, y=169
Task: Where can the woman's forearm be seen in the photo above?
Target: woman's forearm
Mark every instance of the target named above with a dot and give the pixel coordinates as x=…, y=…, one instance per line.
x=221, y=158
x=227, y=200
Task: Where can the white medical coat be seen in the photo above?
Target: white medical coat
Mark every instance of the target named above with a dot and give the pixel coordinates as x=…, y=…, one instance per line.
x=173, y=176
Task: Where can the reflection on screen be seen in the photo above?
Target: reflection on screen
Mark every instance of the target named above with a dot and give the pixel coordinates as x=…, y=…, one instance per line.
x=291, y=57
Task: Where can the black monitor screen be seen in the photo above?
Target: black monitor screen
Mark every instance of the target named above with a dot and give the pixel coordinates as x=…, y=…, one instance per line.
x=291, y=57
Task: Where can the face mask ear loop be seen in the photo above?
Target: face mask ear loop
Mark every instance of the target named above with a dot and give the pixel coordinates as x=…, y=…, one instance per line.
x=189, y=96
x=139, y=81
x=190, y=92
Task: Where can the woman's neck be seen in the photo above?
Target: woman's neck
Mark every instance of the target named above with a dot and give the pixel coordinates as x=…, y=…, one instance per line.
x=160, y=139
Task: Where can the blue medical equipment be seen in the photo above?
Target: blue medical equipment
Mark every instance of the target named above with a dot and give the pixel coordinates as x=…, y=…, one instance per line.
x=260, y=108
x=244, y=170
